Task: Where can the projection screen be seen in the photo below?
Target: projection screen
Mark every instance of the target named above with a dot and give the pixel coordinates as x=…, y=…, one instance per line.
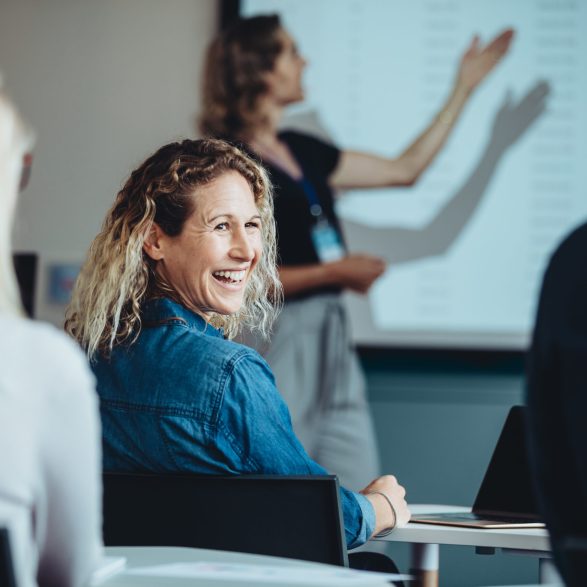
x=466, y=246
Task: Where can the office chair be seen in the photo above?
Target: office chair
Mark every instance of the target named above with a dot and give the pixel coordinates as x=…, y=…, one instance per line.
x=7, y=578
x=291, y=517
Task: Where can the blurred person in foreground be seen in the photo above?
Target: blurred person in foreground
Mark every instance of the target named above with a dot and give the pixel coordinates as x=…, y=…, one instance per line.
x=557, y=405
x=50, y=474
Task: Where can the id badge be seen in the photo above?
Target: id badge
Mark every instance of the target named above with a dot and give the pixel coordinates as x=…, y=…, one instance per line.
x=327, y=242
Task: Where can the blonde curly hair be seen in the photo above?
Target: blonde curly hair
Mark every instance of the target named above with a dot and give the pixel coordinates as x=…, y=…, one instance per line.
x=118, y=276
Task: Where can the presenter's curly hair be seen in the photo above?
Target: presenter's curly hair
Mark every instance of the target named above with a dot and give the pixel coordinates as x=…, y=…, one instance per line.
x=118, y=276
x=234, y=72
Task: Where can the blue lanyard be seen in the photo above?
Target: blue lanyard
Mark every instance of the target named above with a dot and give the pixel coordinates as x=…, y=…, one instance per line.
x=311, y=196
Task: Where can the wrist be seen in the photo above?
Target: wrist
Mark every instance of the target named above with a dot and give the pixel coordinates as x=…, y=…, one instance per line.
x=331, y=273
x=462, y=90
x=454, y=105
x=383, y=507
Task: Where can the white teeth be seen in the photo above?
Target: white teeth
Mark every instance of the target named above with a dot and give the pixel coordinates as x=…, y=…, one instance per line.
x=232, y=275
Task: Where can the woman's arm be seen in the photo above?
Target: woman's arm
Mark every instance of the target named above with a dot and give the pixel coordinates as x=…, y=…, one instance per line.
x=259, y=426
x=402, y=245
x=365, y=170
x=355, y=272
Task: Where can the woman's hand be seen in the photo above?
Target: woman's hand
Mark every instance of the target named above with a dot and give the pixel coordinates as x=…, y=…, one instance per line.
x=478, y=61
x=385, y=517
x=356, y=272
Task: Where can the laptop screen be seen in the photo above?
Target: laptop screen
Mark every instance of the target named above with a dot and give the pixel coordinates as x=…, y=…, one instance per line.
x=507, y=485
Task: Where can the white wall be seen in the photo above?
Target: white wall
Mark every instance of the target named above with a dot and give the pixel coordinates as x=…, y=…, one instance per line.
x=103, y=83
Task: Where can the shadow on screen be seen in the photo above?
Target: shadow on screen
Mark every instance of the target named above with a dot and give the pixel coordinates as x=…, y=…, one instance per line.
x=401, y=245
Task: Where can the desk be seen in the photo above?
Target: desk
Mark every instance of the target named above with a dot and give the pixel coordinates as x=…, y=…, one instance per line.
x=148, y=556
x=426, y=538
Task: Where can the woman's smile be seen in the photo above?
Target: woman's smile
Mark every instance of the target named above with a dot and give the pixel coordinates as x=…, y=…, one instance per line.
x=234, y=280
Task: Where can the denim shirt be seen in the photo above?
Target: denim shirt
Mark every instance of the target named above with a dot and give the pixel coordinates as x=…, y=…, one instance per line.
x=181, y=398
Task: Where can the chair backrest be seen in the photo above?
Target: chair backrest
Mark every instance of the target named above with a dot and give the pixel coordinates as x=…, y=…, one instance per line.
x=25, y=267
x=7, y=578
x=292, y=517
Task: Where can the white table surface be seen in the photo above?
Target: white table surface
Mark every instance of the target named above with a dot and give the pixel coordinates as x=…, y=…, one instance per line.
x=535, y=539
x=149, y=556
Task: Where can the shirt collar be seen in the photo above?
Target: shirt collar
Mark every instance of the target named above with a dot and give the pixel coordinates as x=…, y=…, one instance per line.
x=160, y=310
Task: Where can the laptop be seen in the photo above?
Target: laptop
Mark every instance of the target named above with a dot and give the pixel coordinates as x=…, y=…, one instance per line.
x=505, y=498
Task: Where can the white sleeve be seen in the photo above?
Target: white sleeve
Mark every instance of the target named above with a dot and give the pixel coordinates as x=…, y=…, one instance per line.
x=71, y=476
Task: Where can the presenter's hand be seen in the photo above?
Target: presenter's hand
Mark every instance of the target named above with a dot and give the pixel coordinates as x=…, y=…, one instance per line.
x=478, y=61
x=356, y=272
x=385, y=516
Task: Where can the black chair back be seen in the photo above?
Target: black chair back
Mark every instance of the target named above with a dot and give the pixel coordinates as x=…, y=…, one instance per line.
x=7, y=578
x=25, y=267
x=292, y=517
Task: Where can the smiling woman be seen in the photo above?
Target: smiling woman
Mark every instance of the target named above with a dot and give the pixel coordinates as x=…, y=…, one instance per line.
x=186, y=256
x=191, y=209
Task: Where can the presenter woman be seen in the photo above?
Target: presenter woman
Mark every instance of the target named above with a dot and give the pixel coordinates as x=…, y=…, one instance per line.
x=186, y=256
x=50, y=465
x=253, y=71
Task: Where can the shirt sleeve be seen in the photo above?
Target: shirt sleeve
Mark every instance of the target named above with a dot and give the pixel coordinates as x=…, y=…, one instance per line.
x=314, y=153
x=71, y=461
x=256, y=422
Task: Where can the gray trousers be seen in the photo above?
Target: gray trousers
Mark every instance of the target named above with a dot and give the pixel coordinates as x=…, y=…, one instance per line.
x=318, y=374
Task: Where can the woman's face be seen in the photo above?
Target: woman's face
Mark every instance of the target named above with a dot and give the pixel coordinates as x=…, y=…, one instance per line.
x=285, y=80
x=211, y=261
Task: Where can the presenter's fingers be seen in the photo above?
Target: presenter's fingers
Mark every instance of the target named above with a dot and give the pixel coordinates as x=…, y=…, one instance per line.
x=500, y=45
x=374, y=264
x=478, y=61
x=366, y=266
x=473, y=48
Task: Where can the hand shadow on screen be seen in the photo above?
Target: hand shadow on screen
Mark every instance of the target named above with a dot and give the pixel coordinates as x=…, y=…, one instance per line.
x=401, y=245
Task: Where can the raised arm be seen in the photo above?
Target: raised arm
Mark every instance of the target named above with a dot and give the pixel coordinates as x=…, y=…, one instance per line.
x=401, y=245
x=365, y=170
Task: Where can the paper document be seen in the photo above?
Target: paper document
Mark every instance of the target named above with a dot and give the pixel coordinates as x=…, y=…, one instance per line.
x=108, y=566
x=250, y=573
